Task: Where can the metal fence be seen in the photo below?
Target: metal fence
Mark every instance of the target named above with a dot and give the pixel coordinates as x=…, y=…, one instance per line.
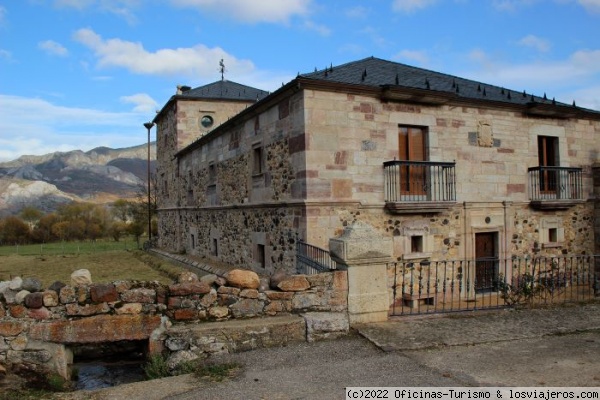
x=555, y=183
x=313, y=260
x=419, y=181
x=465, y=285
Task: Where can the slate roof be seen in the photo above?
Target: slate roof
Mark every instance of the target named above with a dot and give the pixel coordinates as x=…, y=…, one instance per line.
x=378, y=72
x=225, y=90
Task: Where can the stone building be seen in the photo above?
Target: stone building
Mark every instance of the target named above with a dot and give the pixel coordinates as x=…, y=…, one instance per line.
x=447, y=167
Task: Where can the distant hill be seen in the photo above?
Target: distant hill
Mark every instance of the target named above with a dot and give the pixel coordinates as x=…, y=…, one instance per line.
x=100, y=175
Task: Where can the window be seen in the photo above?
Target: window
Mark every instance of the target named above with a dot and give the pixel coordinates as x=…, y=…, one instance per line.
x=206, y=121
x=411, y=147
x=416, y=244
x=257, y=161
x=260, y=255
x=553, y=235
x=193, y=241
x=548, y=158
x=551, y=232
x=212, y=174
x=215, y=247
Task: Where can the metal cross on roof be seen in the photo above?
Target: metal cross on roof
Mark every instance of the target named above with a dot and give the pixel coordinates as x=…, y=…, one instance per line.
x=222, y=69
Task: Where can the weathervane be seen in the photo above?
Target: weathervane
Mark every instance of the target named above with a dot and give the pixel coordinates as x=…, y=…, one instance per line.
x=222, y=69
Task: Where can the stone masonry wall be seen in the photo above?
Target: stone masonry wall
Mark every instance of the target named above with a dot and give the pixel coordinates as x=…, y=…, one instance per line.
x=37, y=325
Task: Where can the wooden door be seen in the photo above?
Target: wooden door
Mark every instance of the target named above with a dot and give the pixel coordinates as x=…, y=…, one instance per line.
x=548, y=157
x=411, y=147
x=486, y=260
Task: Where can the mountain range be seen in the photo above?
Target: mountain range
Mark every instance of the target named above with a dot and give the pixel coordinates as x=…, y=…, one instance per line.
x=101, y=175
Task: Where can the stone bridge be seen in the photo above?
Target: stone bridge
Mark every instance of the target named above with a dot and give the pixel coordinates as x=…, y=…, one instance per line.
x=193, y=317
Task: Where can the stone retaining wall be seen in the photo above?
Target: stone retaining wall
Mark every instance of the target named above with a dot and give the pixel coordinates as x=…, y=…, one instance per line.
x=37, y=326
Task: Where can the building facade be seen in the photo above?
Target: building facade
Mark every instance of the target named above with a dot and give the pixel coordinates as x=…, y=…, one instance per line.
x=447, y=167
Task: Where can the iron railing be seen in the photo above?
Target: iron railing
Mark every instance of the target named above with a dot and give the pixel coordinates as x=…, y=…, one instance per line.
x=555, y=183
x=312, y=259
x=419, y=181
x=467, y=285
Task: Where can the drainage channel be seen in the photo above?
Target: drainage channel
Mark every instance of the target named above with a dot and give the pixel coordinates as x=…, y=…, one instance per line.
x=108, y=364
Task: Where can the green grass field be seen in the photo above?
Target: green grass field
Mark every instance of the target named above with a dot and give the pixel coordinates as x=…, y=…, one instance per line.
x=106, y=262
x=68, y=248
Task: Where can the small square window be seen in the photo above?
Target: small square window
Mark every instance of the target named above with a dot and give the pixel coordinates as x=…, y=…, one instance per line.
x=416, y=244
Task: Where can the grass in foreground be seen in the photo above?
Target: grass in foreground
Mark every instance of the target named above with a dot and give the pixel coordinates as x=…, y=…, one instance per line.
x=104, y=267
x=156, y=368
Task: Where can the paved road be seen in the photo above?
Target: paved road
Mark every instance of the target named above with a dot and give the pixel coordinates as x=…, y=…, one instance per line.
x=555, y=347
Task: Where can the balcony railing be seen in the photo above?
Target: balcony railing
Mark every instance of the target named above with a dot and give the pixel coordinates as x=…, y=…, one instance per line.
x=555, y=187
x=427, y=183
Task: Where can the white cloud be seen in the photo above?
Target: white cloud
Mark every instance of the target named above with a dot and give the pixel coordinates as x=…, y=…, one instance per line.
x=2, y=16
x=6, y=55
x=420, y=57
x=198, y=61
x=558, y=78
x=53, y=48
x=36, y=126
x=121, y=8
x=374, y=35
x=535, y=42
x=511, y=5
x=143, y=103
x=358, y=12
x=409, y=6
x=276, y=11
x=320, y=29
x=592, y=6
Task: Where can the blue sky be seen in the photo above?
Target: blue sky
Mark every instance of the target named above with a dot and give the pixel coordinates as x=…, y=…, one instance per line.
x=77, y=74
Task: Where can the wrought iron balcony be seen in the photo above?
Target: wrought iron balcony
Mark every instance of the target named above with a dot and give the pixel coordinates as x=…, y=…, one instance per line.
x=419, y=186
x=554, y=188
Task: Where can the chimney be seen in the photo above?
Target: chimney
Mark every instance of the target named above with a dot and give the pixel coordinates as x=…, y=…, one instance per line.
x=181, y=89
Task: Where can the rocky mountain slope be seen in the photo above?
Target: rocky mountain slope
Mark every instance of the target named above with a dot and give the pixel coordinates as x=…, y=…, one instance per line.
x=100, y=175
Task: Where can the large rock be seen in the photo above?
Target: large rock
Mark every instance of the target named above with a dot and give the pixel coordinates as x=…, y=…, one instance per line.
x=16, y=283
x=81, y=277
x=276, y=278
x=187, y=277
x=325, y=325
x=243, y=279
x=32, y=285
x=294, y=283
x=103, y=292
x=34, y=300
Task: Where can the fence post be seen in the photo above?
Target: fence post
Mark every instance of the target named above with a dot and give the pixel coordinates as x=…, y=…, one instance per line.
x=366, y=254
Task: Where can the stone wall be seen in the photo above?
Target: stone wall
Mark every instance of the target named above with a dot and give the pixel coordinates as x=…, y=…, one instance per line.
x=38, y=325
x=236, y=194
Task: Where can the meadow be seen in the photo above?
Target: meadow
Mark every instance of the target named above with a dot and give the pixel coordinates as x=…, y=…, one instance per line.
x=106, y=261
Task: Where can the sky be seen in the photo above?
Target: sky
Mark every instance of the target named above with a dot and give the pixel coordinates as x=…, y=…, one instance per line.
x=78, y=74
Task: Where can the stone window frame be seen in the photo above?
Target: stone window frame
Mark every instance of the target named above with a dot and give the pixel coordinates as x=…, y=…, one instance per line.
x=551, y=233
x=426, y=242
x=257, y=159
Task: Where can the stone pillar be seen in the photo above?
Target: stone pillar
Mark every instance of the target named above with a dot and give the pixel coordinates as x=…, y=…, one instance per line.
x=366, y=254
